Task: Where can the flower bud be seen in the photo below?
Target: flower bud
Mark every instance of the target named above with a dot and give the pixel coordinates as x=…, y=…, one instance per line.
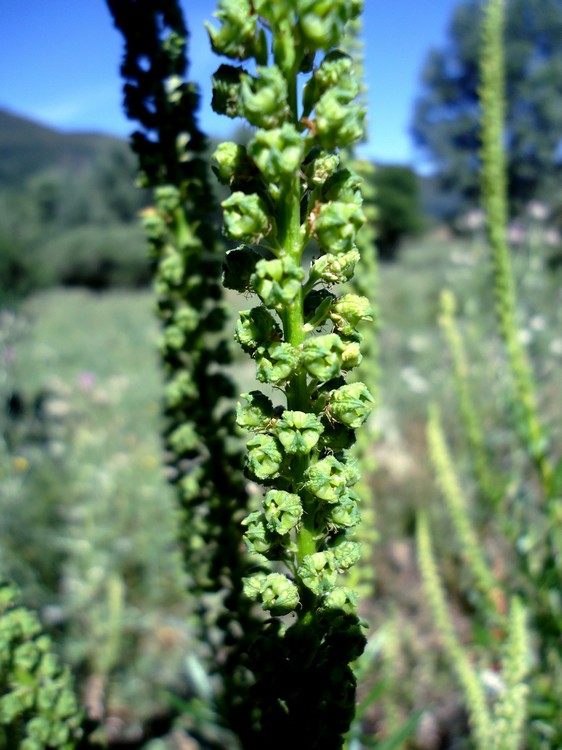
x=348, y=311
x=264, y=457
x=321, y=356
x=351, y=404
x=277, y=153
x=237, y=37
x=335, y=70
x=318, y=572
x=277, y=281
x=351, y=356
x=335, y=269
x=255, y=328
x=338, y=122
x=245, y=217
x=326, y=479
x=276, y=362
x=258, y=538
x=344, y=186
x=346, y=555
x=283, y=510
x=341, y=597
x=336, y=226
x=228, y=161
x=263, y=99
x=321, y=22
x=256, y=414
x=345, y=514
x=319, y=166
x=184, y=439
x=275, y=591
x=298, y=432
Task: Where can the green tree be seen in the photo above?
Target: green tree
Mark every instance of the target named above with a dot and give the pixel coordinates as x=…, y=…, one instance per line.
x=398, y=207
x=445, y=123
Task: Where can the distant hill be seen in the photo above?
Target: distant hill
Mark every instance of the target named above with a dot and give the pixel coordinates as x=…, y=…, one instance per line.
x=27, y=147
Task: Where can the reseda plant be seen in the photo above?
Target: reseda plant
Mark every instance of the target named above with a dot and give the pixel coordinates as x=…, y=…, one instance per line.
x=289, y=188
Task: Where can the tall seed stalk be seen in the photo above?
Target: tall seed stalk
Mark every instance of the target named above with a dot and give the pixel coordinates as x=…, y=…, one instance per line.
x=288, y=189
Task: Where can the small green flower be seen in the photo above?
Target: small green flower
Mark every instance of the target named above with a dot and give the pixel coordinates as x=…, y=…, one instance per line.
x=321, y=356
x=351, y=404
x=345, y=186
x=184, y=438
x=256, y=414
x=319, y=165
x=322, y=22
x=238, y=36
x=339, y=122
x=346, y=555
x=276, y=362
x=258, y=538
x=348, y=311
x=341, y=597
x=298, y=432
x=277, y=281
x=276, y=592
x=245, y=217
x=283, y=510
x=264, y=457
x=351, y=355
x=256, y=328
x=336, y=269
x=336, y=70
x=327, y=479
x=318, y=571
x=336, y=226
x=277, y=153
x=345, y=514
x=263, y=99
x=229, y=161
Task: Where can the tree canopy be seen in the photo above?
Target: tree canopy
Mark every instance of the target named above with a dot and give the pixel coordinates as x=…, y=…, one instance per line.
x=446, y=115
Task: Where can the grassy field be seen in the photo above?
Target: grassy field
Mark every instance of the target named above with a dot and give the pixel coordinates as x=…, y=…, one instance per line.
x=96, y=483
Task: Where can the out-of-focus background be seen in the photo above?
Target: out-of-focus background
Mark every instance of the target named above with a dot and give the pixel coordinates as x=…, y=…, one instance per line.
x=87, y=521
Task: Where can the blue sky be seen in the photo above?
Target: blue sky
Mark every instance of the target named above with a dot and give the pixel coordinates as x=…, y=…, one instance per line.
x=61, y=59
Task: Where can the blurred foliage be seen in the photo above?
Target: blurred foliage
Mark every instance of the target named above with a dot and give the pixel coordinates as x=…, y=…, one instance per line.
x=446, y=113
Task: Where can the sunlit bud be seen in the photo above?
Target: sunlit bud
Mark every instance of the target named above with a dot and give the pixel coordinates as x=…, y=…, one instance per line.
x=318, y=572
x=351, y=404
x=237, y=37
x=256, y=413
x=264, y=457
x=245, y=217
x=322, y=21
x=276, y=362
x=283, y=510
x=275, y=591
x=319, y=166
x=298, y=432
x=335, y=269
x=335, y=70
x=351, y=356
x=346, y=555
x=341, y=597
x=348, y=311
x=345, y=514
x=338, y=122
x=228, y=161
x=336, y=226
x=255, y=328
x=344, y=186
x=277, y=153
x=277, y=281
x=327, y=479
x=263, y=99
x=258, y=538
x=321, y=356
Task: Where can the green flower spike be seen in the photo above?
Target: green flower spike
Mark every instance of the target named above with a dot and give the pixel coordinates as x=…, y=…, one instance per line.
x=298, y=432
x=275, y=591
x=351, y=404
x=245, y=217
